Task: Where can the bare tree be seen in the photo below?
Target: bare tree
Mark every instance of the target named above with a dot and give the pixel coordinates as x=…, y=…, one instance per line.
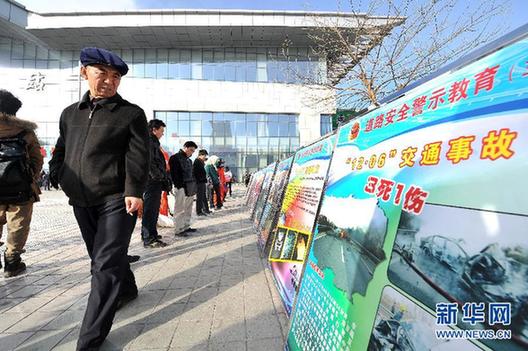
x=369, y=56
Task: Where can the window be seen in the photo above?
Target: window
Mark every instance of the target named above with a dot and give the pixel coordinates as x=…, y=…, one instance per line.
x=326, y=124
x=244, y=140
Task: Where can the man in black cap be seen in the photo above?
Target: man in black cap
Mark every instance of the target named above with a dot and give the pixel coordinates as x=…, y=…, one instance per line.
x=101, y=161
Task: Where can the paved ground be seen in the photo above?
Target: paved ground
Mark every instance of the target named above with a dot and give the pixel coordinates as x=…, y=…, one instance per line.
x=207, y=292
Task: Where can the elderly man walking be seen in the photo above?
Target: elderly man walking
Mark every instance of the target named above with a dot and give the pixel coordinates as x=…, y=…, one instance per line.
x=101, y=161
x=20, y=166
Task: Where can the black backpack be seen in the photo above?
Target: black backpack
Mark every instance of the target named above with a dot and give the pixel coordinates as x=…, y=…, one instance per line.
x=15, y=172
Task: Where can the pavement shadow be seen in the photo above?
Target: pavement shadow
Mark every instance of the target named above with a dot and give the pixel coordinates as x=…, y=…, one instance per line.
x=206, y=291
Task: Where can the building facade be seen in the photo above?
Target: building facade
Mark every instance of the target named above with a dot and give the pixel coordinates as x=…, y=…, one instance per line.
x=233, y=81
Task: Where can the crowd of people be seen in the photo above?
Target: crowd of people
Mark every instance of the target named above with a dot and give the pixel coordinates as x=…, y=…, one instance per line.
x=109, y=162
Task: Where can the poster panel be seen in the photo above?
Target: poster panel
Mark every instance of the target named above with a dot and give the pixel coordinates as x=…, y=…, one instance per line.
x=254, y=190
x=272, y=206
x=297, y=215
x=269, y=173
x=421, y=240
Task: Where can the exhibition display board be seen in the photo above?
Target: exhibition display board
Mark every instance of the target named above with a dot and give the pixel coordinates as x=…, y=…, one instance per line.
x=421, y=242
x=272, y=207
x=269, y=173
x=292, y=237
x=254, y=188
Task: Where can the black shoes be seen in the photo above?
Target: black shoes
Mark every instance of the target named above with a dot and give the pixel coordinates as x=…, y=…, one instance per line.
x=155, y=244
x=202, y=214
x=13, y=265
x=133, y=258
x=186, y=232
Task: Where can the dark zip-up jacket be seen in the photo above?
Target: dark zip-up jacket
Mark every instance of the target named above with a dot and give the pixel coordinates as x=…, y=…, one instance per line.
x=158, y=169
x=181, y=169
x=102, y=152
x=199, y=171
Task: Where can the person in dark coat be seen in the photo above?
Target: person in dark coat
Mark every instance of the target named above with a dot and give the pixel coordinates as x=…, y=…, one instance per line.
x=181, y=170
x=101, y=161
x=16, y=208
x=158, y=181
x=202, y=209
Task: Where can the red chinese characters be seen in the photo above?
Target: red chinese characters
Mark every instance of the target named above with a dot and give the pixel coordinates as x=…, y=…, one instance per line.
x=437, y=97
x=455, y=92
x=458, y=91
x=484, y=80
x=413, y=199
x=418, y=105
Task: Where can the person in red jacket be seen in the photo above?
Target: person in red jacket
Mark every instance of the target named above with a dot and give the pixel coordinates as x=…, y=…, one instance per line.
x=221, y=176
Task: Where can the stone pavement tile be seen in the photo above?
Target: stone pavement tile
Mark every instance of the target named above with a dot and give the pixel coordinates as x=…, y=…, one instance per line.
x=69, y=342
x=203, y=294
x=154, y=336
x=30, y=305
x=11, y=285
x=230, y=310
x=285, y=323
x=9, y=318
x=80, y=304
x=166, y=313
x=122, y=337
x=258, y=309
x=50, y=279
x=11, y=341
x=6, y=304
x=198, y=311
x=176, y=296
x=229, y=346
x=52, y=291
x=61, y=302
x=33, y=322
x=228, y=330
x=66, y=320
x=191, y=333
x=266, y=344
x=228, y=281
x=24, y=292
x=195, y=347
x=263, y=326
x=157, y=284
x=43, y=340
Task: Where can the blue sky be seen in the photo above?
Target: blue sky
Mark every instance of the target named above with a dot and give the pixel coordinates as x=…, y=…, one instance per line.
x=517, y=16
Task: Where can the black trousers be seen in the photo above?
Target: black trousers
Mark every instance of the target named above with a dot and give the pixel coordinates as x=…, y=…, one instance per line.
x=151, y=207
x=201, y=198
x=229, y=189
x=106, y=230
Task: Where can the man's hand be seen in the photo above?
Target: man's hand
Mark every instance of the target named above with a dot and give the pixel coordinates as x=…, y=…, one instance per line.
x=134, y=204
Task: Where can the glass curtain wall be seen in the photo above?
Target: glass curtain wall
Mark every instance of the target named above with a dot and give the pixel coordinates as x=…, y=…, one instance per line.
x=246, y=141
x=220, y=64
x=226, y=64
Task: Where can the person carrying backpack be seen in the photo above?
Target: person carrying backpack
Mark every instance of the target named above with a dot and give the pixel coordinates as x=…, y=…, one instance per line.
x=20, y=166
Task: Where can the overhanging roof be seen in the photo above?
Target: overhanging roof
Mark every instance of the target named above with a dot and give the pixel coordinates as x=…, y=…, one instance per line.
x=193, y=28
x=187, y=28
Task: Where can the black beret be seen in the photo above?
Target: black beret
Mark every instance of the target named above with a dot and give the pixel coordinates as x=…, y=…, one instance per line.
x=92, y=56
